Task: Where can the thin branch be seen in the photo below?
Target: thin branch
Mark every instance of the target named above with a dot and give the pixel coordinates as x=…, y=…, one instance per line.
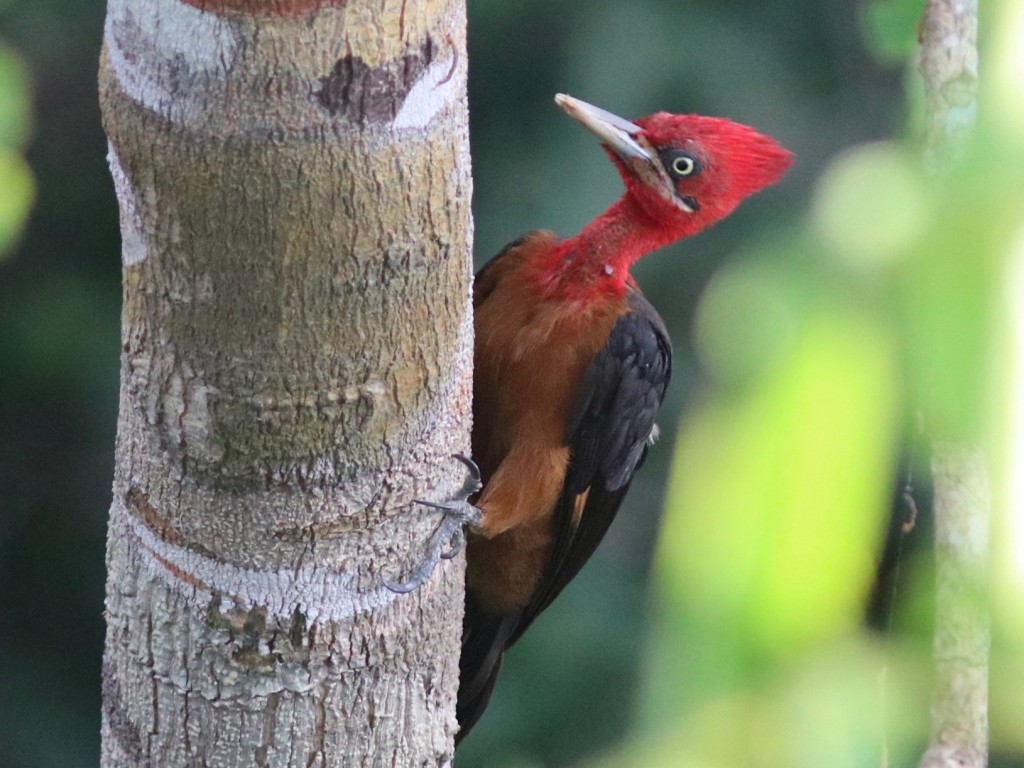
x=949, y=66
x=960, y=702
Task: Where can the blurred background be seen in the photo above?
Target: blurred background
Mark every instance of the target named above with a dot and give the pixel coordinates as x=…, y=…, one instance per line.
x=813, y=330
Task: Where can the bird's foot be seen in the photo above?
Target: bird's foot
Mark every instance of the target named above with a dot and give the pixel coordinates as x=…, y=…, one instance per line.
x=447, y=541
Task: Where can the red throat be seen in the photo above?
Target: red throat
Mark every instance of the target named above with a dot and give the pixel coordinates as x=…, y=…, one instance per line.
x=597, y=260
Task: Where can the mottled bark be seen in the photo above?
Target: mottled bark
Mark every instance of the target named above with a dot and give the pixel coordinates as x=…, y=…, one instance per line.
x=296, y=368
x=949, y=67
x=963, y=504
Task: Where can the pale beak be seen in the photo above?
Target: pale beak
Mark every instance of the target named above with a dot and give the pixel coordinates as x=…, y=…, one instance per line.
x=623, y=138
x=612, y=130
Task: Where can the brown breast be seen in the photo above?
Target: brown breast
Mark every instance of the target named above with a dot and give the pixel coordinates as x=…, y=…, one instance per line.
x=530, y=357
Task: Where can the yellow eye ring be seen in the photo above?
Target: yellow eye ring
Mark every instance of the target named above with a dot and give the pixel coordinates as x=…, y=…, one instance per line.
x=683, y=165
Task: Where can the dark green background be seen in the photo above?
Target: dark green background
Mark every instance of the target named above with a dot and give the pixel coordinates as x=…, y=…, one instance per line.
x=796, y=69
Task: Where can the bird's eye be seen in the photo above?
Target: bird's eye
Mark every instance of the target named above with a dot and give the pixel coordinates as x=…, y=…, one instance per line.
x=683, y=165
x=679, y=163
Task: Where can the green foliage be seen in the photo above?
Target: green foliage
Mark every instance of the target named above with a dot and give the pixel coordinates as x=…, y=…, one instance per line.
x=890, y=28
x=16, y=196
x=17, y=189
x=790, y=480
x=14, y=99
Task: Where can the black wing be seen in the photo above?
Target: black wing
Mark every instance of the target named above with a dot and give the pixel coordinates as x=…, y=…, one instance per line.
x=608, y=434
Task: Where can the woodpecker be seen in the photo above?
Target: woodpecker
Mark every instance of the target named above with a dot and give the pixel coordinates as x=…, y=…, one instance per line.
x=571, y=364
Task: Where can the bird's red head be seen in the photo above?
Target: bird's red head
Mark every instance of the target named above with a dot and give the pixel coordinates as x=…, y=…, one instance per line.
x=704, y=166
x=682, y=174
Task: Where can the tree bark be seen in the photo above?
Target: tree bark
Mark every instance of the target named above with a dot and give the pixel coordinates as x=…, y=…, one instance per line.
x=293, y=177
x=963, y=504
x=949, y=68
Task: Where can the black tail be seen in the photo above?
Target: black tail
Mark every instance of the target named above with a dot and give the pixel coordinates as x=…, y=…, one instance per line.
x=485, y=636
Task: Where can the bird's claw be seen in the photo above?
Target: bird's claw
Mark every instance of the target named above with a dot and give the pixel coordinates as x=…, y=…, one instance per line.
x=447, y=541
x=473, y=482
x=454, y=545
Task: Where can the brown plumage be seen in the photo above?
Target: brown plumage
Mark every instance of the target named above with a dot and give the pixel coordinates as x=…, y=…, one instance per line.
x=530, y=358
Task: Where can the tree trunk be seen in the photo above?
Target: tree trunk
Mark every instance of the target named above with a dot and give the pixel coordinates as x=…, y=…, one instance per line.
x=293, y=177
